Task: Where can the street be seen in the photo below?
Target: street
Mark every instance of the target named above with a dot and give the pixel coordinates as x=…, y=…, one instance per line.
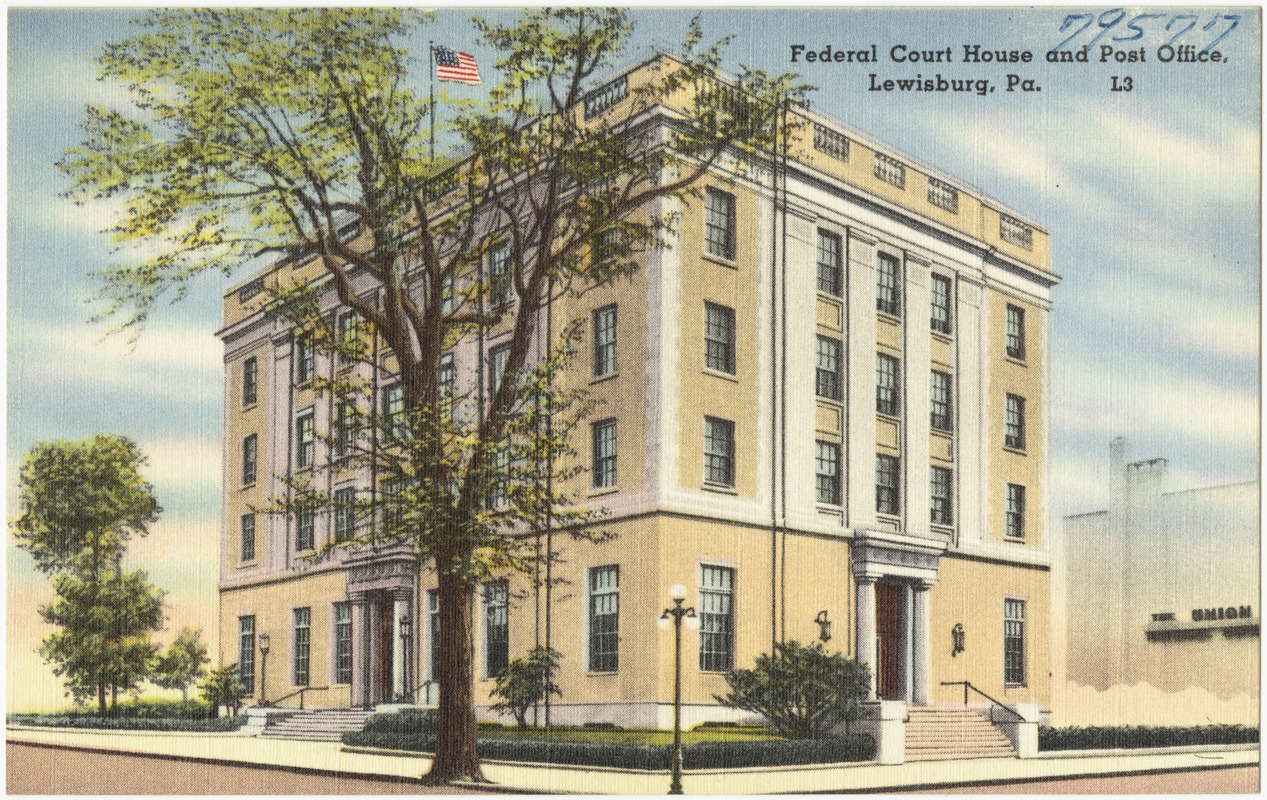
x=33, y=769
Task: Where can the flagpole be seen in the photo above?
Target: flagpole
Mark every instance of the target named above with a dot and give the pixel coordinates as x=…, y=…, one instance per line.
x=431, y=72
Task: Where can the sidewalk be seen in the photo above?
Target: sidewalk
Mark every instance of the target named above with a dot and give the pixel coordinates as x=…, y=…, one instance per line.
x=331, y=757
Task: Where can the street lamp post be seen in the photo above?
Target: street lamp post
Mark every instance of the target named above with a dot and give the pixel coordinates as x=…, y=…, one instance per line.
x=263, y=667
x=676, y=613
x=406, y=633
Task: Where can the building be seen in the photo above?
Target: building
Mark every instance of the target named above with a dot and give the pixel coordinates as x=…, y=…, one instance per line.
x=1161, y=593
x=826, y=401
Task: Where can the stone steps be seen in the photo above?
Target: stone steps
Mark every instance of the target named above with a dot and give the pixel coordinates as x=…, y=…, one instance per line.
x=325, y=725
x=935, y=733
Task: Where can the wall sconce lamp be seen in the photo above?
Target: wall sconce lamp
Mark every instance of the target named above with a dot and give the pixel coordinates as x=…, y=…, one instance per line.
x=956, y=639
x=824, y=627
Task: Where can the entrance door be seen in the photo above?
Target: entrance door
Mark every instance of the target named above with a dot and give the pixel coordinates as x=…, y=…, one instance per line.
x=383, y=669
x=888, y=610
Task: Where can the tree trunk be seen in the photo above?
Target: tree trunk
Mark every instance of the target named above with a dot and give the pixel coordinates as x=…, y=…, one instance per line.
x=456, y=758
x=101, y=699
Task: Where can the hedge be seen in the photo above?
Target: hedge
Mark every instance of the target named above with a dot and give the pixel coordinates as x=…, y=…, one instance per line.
x=1137, y=736
x=128, y=723
x=704, y=755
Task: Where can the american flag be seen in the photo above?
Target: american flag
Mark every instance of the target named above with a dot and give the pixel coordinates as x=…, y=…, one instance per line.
x=454, y=66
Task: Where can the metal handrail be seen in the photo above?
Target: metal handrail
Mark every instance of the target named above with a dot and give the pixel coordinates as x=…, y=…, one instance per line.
x=300, y=693
x=968, y=685
x=413, y=693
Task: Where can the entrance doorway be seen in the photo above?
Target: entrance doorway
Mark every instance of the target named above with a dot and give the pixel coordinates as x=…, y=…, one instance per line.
x=888, y=613
x=382, y=668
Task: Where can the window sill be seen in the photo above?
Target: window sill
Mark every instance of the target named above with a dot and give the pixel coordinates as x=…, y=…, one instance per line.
x=828, y=508
x=1015, y=450
x=887, y=417
x=250, y=485
x=886, y=316
x=836, y=400
x=250, y=406
x=720, y=488
x=1014, y=540
x=248, y=564
x=604, y=378
x=946, y=529
x=727, y=376
x=720, y=260
x=1020, y=362
x=947, y=432
x=607, y=674
x=836, y=298
x=599, y=491
x=948, y=338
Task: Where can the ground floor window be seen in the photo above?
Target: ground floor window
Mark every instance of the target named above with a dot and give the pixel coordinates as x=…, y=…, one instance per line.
x=343, y=642
x=246, y=652
x=303, y=645
x=717, y=621
x=604, y=619
x=1014, y=642
x=496, y=628
x=433, y=612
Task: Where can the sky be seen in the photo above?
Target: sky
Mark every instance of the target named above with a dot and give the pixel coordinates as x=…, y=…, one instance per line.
x=1151, y=196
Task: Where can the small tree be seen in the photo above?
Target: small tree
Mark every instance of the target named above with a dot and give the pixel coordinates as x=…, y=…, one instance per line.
x=223, y=687
x=182, y=663
x=526, y=681
x=803, y=692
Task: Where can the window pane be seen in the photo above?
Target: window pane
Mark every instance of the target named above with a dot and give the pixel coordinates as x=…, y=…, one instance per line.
x=719, y=338
x=941, y=304
x=250, y=381
x=344, y=513
x=719, y=223
x=829, y=273
x=719, y=451
x=246, y=653
x=887, y=484
x=1015, y=512
x=302, y=645
x=343, y=642
x=248, y=537
x=887, y=395
x=604, y=619
x=717, y=625
x=496, y=367
x=827, y=472
x=888, y=291
x=394, y=412
x=1014, y=642
x=940, y=402
x=603, y=436
x=1015, y=332
x=249, y=455
x=305, y=440
x=305, y=530
x=496, y=628
x=1014, y=423
x=827, y=372
x=605, y=341
x=940, y=493
x=499, y=272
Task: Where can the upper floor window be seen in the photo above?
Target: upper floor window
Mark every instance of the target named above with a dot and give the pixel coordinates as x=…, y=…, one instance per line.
x=890, y=170
x=250, y=380
x=1014, y=231
x=305, y=439
x=1014, y=513
x=446, y=295
x=394, y=412
x=719, y=451
x=827, y=472
x=250, y=458
x=940, y=510
x=941, y=408
x=499, y=281
x=827, y=370
x=305, y=530
x=719, y=223
x=887, y=484
x=717, y=619
x=833, y=143
x=1013, y=642
x=941, y=307
x=719, y=338
x=888, y=296
x=499, y=480
x=1014, y=423
x=887, y=387
x=251, y=289
x=344, y=427
x=829, y=258
x=349, y=337
x=1016, y=332
x=344, y=513
x=604, y=621
x=943, y=195
x=305, y=360
x=496, y=627
x=603, y=441
x=605, y=341
x=496, y=367
x=248, y=537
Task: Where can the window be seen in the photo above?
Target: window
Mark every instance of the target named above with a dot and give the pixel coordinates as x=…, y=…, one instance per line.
x=717, y=619
x=941, y=407
x=829, y=273
x=1016, y=232
x=251, y=289
x=343, y=642
x=719, y=451
x=887, y=484
x=305, y=360
x=1014, y=423
x=344, y=513
x=888, y=296
x=827, y=473
x=605, y=341
x=250, y=380
x=446, y=295
x=943, y=195
x=1013, y=642
x=604, y=619
x=250, y=457
x=719, y=338
x=246, y=652
x=603, y=98
x=496, y=367
x=433, y=618
x=349, y=341
x=939, y=492
x=345, y=429
x=603, y=439
x=498, y=494
x=719, y=223
x=1014, y=516
x=887, y=394
x=941, y=314
x=303, y=645
x=392, y=505
x=1016, y=332
x=248, y=537
x=394, y=412
x=446, y=380
x=305, y=439
x=833, y=143
x=890, y=170
x=827, y=372
x=306, y=530
x=499, y=272
x=496, y=628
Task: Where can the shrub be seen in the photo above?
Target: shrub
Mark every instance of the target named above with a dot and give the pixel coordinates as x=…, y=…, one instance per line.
x=1137, y=736
x=526, y=681
x=223, y=687
x=407, y=721
x=214, y=725
x=803, y=692
x=567, y=751
x=765, y=753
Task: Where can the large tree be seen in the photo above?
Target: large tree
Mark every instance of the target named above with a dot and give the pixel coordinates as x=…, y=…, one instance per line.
x=279, y=131
x=182, y=663
x=79, y=505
